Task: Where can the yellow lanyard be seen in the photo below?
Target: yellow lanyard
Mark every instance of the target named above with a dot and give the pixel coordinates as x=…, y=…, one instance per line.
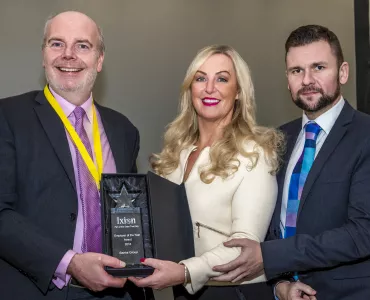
x=95, y=171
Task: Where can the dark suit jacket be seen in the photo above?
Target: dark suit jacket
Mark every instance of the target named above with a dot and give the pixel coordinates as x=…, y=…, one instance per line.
x=331, y=249
x=38, y=199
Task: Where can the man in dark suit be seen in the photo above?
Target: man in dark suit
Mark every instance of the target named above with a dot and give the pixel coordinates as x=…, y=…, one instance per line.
x=49, y=199
x=320, y=232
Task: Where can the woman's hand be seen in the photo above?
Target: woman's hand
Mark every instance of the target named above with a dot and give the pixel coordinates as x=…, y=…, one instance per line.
x=295, y=291
x=166, y=274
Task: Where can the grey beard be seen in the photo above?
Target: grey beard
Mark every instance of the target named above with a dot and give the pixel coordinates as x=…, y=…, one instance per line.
x=84, y=85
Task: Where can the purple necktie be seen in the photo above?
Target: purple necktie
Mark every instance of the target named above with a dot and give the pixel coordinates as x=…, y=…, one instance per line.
x=89, y=194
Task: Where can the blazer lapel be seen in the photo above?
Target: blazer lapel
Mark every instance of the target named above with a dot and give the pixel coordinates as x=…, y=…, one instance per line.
x=55, y=131
x=336, y=134
x=117, y=145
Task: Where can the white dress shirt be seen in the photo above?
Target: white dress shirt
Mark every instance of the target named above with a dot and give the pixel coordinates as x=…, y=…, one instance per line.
x=326, y=122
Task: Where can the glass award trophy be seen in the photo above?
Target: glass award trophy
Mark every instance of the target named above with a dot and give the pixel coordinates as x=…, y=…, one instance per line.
x=126, y=228
x=144, y=216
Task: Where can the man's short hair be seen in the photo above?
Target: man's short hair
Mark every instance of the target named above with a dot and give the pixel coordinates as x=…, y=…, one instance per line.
x=308, y=34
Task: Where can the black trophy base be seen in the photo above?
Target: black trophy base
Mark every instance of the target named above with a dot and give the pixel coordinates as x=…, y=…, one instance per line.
x=130, y=271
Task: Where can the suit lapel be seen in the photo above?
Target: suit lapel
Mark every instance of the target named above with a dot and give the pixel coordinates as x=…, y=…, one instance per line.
x=336, y=134
x=55, y=131
x=115, y=139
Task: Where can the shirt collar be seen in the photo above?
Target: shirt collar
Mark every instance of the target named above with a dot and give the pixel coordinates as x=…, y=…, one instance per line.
x=326, y=120
x=68, y=107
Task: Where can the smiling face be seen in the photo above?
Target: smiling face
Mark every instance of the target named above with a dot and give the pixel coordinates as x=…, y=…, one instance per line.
x=71, y=55
x=314, y=78
x=214, y=89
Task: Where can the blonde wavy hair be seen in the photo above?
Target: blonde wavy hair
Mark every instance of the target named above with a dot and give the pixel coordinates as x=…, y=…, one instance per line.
x=184, y=132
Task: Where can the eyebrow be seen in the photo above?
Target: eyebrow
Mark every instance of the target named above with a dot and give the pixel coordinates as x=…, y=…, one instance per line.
x=313, y=65
x=55, y=39
x=224, y=71
x=320, y=63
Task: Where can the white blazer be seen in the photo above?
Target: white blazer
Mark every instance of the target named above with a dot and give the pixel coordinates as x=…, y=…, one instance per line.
x=240, y=206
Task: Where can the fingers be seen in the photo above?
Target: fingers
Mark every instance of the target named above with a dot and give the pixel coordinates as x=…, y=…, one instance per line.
x=136, y=281
x=234, y=264
x=233, y=276
x=88, y=269
x=150, y=280
x=229, y=276
x=144, y=282
x=110, y=261
x=235, y=243
x=166, y=274
x=305, y=288
x=299, y=290
x=241, y=277
x=223, y=277
x=152, y=262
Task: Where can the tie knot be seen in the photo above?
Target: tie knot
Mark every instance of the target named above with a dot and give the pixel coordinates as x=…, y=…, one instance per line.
x=312, y=130
x=79, y=113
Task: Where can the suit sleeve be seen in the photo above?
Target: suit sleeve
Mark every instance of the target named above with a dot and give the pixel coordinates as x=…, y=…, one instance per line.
x=333, y=247
x=22, y=244
x=252, y=206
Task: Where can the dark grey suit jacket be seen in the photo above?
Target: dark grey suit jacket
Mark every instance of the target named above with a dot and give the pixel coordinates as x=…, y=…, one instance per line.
x=38, y=199
x=331, y=249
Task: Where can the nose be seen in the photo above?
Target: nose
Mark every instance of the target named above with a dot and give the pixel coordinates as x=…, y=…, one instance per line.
x=210, y=86
x=69, y=53
x=308, y=78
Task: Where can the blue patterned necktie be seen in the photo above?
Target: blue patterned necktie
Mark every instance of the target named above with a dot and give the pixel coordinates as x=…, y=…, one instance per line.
x=299, y=176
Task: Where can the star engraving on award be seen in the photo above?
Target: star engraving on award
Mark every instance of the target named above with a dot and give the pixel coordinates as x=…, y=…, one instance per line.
x=124, y=199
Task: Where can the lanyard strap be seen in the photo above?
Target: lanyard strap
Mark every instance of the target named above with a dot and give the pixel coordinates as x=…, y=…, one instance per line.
x=95, y=171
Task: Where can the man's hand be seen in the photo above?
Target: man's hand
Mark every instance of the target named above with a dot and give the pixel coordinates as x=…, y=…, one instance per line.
x=166, y=274
x=295, y=291
x=88, y=270
x=248, y=265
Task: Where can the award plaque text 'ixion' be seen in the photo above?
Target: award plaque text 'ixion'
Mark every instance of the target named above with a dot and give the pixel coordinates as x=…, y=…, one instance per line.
x=126, y=227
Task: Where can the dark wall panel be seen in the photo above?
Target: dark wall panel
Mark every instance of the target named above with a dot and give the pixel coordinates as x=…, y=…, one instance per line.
x=362, y=55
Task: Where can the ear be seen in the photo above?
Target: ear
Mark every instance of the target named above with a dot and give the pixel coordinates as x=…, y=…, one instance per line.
x=343, y=73
x=100, y=62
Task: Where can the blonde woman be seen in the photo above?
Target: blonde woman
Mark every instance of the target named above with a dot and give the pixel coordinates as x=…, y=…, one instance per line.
x=228, y=164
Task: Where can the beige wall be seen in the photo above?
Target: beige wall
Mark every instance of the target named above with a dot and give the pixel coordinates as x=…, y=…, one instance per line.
x=151, y=43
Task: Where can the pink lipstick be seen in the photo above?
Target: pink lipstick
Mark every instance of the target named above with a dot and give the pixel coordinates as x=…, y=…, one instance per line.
x=210, y=101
